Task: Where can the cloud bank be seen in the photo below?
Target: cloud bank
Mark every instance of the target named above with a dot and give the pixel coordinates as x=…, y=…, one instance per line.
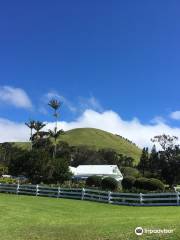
x=13, y=131
x=15, y=96
x=109, y=121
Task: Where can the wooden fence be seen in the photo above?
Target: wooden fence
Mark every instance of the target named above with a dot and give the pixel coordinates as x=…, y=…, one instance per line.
x=132, y=199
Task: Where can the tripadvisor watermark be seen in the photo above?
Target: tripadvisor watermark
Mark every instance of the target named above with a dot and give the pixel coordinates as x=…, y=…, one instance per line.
x=140, y=231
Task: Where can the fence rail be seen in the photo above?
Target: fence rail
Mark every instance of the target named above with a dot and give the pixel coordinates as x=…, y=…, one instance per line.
x=132, y=199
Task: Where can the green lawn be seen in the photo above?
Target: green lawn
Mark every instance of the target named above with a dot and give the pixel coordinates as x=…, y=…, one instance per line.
x=26, y=217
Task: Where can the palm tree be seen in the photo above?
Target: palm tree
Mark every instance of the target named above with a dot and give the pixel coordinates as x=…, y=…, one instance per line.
x=55, y=105
x=55, y=134
x=31, y=125
x=38, y=126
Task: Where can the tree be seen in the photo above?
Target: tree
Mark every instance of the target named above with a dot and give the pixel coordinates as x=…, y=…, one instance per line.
x=6, y=151
x=30, y=125
x=154, y=163
x=169, y=160
x=61, y=170
x=144, y=161
x=170, y=165
x=130, y=171
x=55, y=134
x=125, y=161
x=165, y=141
x=38, y=125
x=55, y=105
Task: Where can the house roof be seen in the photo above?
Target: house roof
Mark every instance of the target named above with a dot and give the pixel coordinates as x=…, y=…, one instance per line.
x=96, y=170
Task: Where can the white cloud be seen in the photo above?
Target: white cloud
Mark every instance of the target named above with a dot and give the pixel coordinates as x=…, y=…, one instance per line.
x=13, y=131
x=89, y=103
x=175, y=115
x=14, y=96
x=109, y=121
x=158, y=119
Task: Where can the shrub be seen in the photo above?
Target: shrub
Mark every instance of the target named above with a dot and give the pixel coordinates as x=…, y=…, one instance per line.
x=151, y=184
x=93, y=181
x=128, y=182
x=8, y=180
x=141, y=183
x=109, y=183
x=155, y=184
x=129, y=171
x=61, y=171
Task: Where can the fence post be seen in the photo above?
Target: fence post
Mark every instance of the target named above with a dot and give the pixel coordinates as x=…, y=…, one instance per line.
x=177, y=196
x=141, y=198
x=59, y=192
x=109, y=197
x=17, y=189
x=82, y=194
x=37, y=189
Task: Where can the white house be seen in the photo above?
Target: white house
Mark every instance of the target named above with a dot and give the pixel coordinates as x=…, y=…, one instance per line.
x=84, y=171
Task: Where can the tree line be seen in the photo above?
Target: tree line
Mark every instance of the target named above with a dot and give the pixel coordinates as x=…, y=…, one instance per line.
x=163, y=164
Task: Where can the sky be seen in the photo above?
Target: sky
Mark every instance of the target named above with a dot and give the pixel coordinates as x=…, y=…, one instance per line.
x=114, y=65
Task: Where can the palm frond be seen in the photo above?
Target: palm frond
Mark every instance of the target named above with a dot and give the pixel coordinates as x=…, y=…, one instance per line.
x=30, y=124
x=39, y=125
x=55, y=104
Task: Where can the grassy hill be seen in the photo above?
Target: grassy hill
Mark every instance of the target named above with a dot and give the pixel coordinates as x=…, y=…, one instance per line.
x=97, y=139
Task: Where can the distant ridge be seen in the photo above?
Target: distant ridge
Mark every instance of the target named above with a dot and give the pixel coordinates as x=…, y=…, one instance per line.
x=98, y=139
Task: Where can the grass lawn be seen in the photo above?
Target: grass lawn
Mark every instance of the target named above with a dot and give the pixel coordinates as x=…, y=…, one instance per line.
x=27, y=217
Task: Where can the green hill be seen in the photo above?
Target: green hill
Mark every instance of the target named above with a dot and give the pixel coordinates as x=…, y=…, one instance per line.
x=97, y=139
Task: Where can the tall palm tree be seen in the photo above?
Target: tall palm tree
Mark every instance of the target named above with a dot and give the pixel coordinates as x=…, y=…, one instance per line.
x=30, y=125
x=55, y=134
x=55, y=105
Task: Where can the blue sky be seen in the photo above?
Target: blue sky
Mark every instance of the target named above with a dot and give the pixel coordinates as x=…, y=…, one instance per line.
x=121, y=56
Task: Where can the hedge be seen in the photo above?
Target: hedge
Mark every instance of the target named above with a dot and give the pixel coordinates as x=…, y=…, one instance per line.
x=151, y=184
x=128, y=182
x=155, y=184
x=109, y=183
x=93, y=181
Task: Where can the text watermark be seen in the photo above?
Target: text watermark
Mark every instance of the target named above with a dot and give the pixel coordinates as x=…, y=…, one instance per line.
x=140, y=231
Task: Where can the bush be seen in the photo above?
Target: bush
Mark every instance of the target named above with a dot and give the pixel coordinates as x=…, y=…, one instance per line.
x=141, y=183
x=93, y=181
x=8, y=180
x=155, y=184
x=129, y=171
x=109, y=183
x=128, y=182
x=61, y=171
x=151, y=184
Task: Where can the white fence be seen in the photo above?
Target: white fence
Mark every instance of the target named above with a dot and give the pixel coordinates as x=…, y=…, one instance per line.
x=133, y=199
